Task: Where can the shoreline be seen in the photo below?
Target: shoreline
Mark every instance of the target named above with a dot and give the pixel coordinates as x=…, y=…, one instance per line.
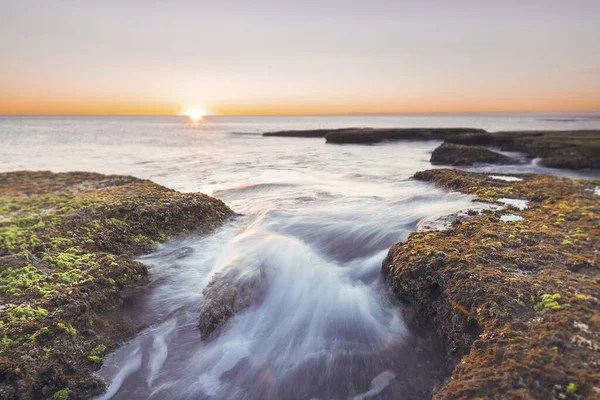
x=566, y=149
x=515, y=301
x=67, y=264
x=74, y=236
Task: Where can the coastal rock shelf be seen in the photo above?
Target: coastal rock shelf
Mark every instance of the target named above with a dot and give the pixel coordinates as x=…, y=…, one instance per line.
x=516, y=302
x=457, y=154
x=557, y=149
x=376, y=135
x=66, y=247
x=578, y=149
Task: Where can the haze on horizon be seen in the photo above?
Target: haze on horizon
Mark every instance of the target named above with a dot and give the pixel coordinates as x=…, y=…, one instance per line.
x=313, y=57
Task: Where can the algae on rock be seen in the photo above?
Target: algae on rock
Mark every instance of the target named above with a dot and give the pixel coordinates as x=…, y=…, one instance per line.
x=67, y=243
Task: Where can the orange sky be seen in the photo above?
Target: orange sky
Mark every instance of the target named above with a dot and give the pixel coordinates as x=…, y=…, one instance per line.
x=88, y=105
x=314, y=58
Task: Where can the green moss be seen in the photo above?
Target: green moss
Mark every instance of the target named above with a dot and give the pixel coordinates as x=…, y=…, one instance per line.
x=111, y=260
x=71, y=258
x=123, y=279
x=73, y=276
x=115, y=221
x=68, y=329
x=27, y=313
x=548, y=301
x=7, y=343
x=18, y=281
x=11, y=237
x=572, y=388
x=162, y=238
x=97, y=354
x=38, y=333
x=57, y=243
x=140, y=238
x=98, y=350
x=62, y=394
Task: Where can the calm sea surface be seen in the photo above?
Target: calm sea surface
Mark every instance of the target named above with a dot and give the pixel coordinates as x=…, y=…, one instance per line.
x=317, y=222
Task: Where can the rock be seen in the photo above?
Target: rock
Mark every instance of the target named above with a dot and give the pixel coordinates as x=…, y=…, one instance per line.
x=67, y=248
x=359, y=136
x=458, y=154
x=509, y=300
x=558, y=149
x=227, y=294
x=365, y=136
x=375, y=135
x=573, y=158
x=478, y=139
x=308, y=133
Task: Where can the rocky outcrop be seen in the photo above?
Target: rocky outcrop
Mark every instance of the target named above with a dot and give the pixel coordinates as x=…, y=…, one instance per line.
x=516, y=302
x=382, y=134
x=558, y=149
x=458, y=154
x=375, y=135
x=307, y=133
x=358, y=136
x=228, y=293
x=67, y=243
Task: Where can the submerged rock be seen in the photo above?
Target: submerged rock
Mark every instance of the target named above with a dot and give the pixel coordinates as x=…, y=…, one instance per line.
x=67, y=243
x=228, y=293
x=504, y=296
x=457, y=154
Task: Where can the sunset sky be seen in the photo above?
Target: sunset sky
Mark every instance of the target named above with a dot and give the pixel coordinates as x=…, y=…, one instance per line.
x=298, y=57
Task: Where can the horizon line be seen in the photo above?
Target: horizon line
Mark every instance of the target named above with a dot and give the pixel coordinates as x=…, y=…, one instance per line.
x=305, y=115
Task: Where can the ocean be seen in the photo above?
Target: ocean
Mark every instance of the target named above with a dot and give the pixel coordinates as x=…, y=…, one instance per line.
x=316, y=221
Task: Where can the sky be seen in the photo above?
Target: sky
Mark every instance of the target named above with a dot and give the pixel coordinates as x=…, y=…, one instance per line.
x=298, y=57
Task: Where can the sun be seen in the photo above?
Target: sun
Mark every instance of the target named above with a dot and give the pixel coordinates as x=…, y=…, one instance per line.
x=194, y=113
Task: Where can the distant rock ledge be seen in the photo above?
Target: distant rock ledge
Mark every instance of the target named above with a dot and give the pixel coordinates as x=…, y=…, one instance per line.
x=308, y=133
x=578, y=149
x=462, y=155
x=375, y=135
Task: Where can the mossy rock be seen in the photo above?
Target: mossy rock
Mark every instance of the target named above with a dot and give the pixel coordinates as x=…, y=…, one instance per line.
x=67, y=243
x=517, y=303
x=457, y=154
x=579, y=149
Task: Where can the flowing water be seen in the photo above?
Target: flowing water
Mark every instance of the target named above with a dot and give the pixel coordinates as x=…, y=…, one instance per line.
x=317, y=221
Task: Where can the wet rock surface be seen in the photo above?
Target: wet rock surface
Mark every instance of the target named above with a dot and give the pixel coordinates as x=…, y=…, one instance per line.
x=308, y=133
x=462, y=155
x=578, y=149
x=516, y=302
x=66, y=247
x=228, y=293
x=557, y=149
x=376, y=135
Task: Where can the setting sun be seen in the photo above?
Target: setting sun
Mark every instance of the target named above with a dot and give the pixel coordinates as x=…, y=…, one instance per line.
x=195, y=114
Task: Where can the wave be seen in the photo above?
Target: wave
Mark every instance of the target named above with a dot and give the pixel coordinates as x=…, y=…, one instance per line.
x=254, y=188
